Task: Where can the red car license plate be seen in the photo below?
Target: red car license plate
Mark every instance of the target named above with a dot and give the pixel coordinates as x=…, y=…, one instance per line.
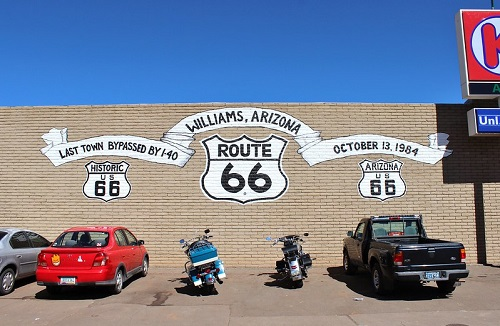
x=67, y=280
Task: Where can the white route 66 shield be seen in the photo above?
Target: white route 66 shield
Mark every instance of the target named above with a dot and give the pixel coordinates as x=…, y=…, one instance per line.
x=381, y=179
x=244, y=169
x=107, y=180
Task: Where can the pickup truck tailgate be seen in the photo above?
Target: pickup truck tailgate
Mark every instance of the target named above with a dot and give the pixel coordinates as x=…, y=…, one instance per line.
x=436, y=255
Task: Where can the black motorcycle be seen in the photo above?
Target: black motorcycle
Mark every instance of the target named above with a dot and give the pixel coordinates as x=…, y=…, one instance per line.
x=295, y=262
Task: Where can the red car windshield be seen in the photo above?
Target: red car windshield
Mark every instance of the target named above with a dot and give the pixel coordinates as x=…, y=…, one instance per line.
x=79, y=239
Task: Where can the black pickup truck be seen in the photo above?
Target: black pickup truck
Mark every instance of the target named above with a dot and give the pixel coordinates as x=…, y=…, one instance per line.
x=397, y=249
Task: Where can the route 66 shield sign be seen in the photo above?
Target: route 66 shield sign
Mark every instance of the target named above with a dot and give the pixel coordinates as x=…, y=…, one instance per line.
x=244, y=169
x=107, y=180
x=381, y=179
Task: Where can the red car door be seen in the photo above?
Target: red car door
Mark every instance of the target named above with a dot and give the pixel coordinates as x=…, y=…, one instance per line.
x=135, y=249
x=122, y=251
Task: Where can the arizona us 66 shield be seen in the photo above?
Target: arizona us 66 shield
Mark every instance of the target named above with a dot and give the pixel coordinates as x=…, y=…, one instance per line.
x=244, y=169
x=381, y=179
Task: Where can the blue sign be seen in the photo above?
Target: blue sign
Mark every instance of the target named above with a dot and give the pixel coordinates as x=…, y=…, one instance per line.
x=483, y=121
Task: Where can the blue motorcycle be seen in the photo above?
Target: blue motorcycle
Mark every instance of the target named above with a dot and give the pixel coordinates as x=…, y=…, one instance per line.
x=204, y=267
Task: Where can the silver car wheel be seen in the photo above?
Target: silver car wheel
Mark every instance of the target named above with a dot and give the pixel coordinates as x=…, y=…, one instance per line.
x=7, y=281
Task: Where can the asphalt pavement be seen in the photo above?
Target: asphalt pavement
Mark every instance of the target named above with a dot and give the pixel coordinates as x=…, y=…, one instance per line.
x=257, y=297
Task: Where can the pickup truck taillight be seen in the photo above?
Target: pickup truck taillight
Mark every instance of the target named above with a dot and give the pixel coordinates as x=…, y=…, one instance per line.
x=398, y=258
x=463, y=255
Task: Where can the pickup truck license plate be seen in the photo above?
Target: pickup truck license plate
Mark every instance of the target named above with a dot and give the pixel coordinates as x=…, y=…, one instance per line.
x=432, y=275
x=68, y=280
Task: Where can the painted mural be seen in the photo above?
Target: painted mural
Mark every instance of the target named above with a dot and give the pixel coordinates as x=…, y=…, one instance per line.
x=242, y=170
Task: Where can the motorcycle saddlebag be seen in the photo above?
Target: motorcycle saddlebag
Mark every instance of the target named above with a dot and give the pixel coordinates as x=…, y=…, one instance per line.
x=194, y=278
x=202, y=253
x=280, y=265
x=220, y=265
x=306, y=260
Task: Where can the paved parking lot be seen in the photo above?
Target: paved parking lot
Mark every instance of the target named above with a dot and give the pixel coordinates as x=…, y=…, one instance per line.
x=255, y=297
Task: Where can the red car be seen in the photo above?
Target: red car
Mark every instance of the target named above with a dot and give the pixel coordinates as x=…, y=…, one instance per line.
x=92, y=256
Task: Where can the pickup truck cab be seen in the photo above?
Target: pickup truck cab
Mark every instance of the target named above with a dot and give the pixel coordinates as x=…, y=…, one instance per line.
x=397, y=249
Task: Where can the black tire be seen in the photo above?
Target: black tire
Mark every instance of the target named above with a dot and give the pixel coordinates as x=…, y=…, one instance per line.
x=118, y=286
x=349, y=268
x=145, y=267
x=446, y=287
x=210, y=289
x=381, y=285
x=53, y=289
x=298, y=284
x=8, y=278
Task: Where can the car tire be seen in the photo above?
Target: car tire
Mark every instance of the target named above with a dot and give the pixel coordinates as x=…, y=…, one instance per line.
x=118, y=286
x=145, y=267
x=446, y=287
x=381, y=285
x=8, y=278
x=349, y=268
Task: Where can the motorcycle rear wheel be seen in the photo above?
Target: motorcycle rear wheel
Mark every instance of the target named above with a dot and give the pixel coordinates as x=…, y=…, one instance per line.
x=298, y=284
x=210, y=289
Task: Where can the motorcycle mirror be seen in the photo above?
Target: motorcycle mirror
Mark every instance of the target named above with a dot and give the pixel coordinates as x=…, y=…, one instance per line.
x=182, y=241
x=268, y=239
x=207, y=231
x=306, y=234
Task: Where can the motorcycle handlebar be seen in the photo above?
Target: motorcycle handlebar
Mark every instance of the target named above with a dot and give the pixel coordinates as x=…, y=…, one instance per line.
x=187, y=243
x=287, y=238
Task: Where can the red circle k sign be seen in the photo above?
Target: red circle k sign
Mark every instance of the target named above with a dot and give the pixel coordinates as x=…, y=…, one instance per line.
x=481, y=31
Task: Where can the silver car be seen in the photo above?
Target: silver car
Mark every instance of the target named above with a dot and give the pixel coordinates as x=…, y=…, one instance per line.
x=18, y=255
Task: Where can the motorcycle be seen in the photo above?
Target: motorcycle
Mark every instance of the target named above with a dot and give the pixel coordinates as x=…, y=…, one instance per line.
x=295, y=262
x=204, y=267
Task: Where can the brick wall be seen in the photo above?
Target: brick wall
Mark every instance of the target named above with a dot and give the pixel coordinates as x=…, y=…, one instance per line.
x=167, y=203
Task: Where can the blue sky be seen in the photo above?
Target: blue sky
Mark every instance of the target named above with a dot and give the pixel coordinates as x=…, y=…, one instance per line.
x=198, y=51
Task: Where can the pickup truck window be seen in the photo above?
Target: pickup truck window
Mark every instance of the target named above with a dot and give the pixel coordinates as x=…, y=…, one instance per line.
x=359, y=231
x=394, y=228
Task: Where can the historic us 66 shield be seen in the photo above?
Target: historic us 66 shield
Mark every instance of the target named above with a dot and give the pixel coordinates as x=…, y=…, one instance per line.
x=381, y=179
x=244, y=169
x=107, y=180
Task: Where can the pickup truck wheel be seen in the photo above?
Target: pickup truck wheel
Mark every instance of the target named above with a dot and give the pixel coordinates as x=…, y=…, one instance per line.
x=349, y=268
x=446, y=287
x=380, y=284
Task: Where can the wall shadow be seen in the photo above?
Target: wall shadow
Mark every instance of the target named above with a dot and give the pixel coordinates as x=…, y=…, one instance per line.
x=474, y=159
